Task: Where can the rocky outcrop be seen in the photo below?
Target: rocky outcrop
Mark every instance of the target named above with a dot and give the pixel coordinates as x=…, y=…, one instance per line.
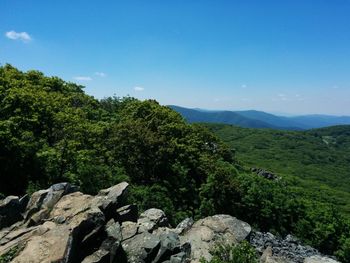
x=206, y=233
x=288, y=250
x=11, y=209
x=60, y=224
x=264, y=173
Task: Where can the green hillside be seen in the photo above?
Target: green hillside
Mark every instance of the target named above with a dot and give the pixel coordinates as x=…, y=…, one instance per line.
x=320, y=158
x=51, y=131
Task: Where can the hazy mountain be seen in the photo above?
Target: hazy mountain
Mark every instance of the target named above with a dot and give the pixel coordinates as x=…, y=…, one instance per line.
x=260, y=119
x=225, y=117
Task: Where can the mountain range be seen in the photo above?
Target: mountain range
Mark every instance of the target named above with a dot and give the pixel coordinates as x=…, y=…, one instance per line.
x=260, y=119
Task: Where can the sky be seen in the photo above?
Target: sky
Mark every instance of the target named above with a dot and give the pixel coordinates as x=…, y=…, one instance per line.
x=287, y=57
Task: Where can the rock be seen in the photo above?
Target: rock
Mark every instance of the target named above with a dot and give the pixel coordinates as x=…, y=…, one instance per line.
x=38, y=218
x=69, y=242
x=284, y=250
x=109, y=200
x=43, y=201
x=181, y=257
x=110, y=248
x=55, y=192
x=267, y=257
x=63, y=225
x=100, y=256
x=320, y=259
x=23, y=202
x=10, y=211
x=206, y=233
x=169, y=245
x=184, y=225
x=127, y=213
x=35, y=202
x=152, y=219
x=264, y=173
x=141, y=248
x=129, y=230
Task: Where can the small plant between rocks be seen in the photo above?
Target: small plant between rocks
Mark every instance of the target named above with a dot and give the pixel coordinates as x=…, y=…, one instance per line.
x=11, y=254
x=238, y=253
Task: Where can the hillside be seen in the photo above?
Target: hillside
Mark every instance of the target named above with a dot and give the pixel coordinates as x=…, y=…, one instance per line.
x=52, y=132
x=260, y=119
x=320, y=157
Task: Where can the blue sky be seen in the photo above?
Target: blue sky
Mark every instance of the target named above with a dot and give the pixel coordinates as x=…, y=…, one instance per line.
x=290, y=56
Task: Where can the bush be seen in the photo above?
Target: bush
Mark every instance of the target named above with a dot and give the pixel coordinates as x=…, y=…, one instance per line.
x=240, y=253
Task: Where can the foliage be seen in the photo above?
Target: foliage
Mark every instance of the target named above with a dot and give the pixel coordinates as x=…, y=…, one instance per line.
x=10, y=254
x=318, y=167
x=239, y=253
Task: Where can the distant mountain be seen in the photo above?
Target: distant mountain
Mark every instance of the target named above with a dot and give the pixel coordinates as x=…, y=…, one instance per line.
x=260, y=119
x=319, y=121
x=225, y=117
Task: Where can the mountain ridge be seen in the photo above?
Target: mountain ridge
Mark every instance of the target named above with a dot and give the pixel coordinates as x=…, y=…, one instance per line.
x=260, y=119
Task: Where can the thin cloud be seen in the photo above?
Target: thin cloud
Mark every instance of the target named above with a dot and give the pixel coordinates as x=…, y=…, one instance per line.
x=243, y=86
x=82, y=78
x=138, y=88
x=101, y=74
x=23, y=36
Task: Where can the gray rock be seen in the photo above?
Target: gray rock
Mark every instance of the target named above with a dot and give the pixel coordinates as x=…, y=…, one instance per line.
x=127, y=213
x=23, y=202
x=184, y=225
x=35, y=203
x=320, y=259
x=286, y=250
x=206, y=233
x=55, y=192
x=42, y=202
x=141, y=248
x=99, y=256
x=110, y=246
x=151, y=219
x=179, y=258
x=112, y=198
x=10, y=211
x=129, y=229
x=169, y=245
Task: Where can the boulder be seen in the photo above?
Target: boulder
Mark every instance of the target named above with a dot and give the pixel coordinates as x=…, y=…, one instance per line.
x=151, y=219
x=110, y=199
x=10, y=211
x=129, y=230
x=69, y=242
x=141, y=248
x=56, y=191
x=267, y=257
x=206, y=233
x=319, y=259
x=110, y=249
x=184, y=225
x=35, y=203
x=127, y=213
x=169, y=245
x=288, y=249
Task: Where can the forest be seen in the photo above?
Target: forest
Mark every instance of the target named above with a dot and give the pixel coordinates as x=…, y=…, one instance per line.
x=52, y=131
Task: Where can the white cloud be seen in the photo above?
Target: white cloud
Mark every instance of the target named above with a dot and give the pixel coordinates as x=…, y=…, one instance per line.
x=101, y=74
x=138, y=88
x=82, y=78
x=243, y=86
x=23, y=36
